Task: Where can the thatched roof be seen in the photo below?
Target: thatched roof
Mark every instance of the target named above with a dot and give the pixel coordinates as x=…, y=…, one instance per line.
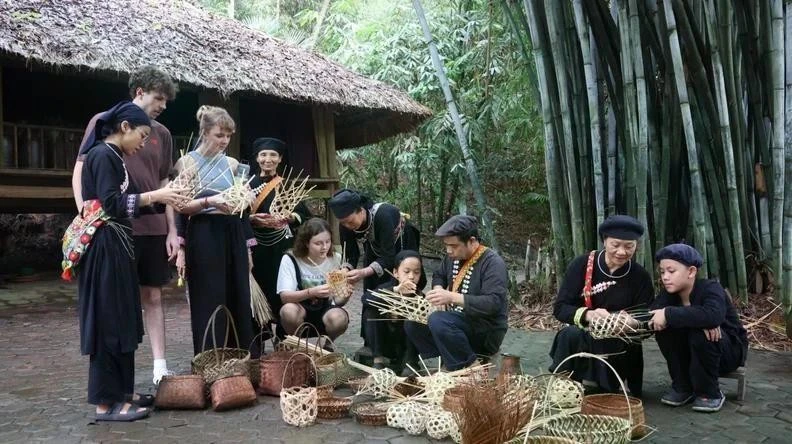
x=206, y=50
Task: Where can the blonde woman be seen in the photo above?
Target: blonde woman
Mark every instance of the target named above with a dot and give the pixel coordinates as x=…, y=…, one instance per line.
x=215, y=242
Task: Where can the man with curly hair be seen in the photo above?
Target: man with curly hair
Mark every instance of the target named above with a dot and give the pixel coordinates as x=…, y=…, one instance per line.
x=154, y=235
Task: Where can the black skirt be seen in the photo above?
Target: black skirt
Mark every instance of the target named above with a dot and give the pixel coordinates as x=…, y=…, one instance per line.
x=217, y=274
x=109, y=297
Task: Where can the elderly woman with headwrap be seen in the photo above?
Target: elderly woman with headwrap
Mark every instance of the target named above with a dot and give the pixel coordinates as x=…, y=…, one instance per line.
x=100, y=248
x=613, y=283
x=274, y=233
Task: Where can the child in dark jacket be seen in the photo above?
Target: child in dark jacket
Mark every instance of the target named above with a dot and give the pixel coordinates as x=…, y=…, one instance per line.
x=698, y=330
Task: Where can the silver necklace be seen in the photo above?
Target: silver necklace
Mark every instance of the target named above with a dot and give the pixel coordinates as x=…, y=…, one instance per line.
x=125, y=183
x=629, y=266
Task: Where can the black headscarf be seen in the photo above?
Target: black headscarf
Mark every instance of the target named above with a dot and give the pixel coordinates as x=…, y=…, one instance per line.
x=345, y=202
x=269, y=143
x=106, y=122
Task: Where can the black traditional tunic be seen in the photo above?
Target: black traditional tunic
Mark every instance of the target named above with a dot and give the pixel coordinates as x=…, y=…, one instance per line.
x=271, y=244
x=485, y=290
x=384, y=233
x=111, y=325
x=629, y=287
x=694, y=362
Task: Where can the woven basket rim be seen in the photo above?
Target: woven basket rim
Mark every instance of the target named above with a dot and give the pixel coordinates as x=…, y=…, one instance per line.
x=561, y=426
x=607, y=400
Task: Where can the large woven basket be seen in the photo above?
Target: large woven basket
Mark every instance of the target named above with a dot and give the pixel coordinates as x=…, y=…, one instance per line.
x=220, y=362
x=274, y=376
x=181, y=392
x=232, y=392
x=371, y=413
x=333, y=407
x=610, y=404
x=593, y=429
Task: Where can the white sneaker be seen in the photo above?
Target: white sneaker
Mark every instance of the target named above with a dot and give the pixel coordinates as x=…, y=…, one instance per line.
x=158, y=374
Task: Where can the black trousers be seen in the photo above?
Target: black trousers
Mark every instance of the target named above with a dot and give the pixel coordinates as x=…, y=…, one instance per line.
x=626, y=358
x=695, y=363
x=111, y=375
x=385, y=338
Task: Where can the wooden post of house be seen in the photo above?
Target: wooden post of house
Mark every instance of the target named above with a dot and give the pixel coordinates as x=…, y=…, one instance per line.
x=324, y=135
x=231, y=104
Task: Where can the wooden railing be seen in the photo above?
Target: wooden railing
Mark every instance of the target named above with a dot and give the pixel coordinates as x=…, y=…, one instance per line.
x=38, y=147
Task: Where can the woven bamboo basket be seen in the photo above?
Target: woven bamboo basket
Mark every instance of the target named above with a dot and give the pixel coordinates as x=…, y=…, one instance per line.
x=611, y=404
x=220, y=362
x=181, y=392
x=273, y=369
x=409, y=387
x=452, y=400
x=543, y=439
x=324, y=391
x=593, y=429
x=299, y=405
x=232, y=392
x=371, y=413
x=357, y=384
x=333, y=408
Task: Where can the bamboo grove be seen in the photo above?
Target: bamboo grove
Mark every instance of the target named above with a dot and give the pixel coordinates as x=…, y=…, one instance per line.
x=676, y=112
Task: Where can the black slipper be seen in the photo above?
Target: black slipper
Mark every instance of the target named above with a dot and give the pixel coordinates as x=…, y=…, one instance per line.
x=114, y=413
x=142, y=401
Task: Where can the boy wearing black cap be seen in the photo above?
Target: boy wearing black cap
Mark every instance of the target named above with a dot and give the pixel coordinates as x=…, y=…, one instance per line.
x=471, y=284
x=698, y=330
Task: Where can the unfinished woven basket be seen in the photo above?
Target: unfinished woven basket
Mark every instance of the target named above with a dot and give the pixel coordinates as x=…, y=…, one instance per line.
x=371, y=413
x=224, y=361
x=333, y=408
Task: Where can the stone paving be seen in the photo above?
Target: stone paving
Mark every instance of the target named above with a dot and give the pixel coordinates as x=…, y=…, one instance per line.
x=43, y=381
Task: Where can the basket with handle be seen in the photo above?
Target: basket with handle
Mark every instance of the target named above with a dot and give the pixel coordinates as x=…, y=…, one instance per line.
x=254, y=365
x=299, y=404
x=333, y=368
x=611, y=404
x=273, y=375
x=220, y=362
x=594, y=429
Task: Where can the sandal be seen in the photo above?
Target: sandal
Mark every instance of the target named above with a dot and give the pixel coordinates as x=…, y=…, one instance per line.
x=114, y=413
x=141, y=401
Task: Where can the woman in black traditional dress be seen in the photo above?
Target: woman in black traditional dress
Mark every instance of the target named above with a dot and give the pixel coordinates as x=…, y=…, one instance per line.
x=111, y=326
x=216, y=253
x=274, y=234
x=618, y=284
x=383, y=231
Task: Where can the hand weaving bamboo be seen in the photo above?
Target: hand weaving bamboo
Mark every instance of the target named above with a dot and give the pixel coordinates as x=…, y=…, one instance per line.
x=618, y=326
x=412, y=308
x=288, y=194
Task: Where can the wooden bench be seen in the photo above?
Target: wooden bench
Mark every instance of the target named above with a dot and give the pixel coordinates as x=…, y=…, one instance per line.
x=739, y=375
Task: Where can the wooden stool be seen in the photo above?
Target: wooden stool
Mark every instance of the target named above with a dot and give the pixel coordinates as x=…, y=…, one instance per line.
x=739, y=375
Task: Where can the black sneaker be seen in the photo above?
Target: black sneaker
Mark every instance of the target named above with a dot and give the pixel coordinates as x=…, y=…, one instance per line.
x=708, y=405
x=676, y=399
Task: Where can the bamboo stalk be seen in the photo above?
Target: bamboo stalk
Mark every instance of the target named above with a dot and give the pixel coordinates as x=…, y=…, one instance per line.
x=700, y=232
x=582, y=28
x=786, y=295
x=735, y=221
x=568, y=144
x=776, y=71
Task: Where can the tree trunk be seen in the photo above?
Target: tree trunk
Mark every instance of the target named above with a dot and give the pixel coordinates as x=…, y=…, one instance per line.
x=467, y=155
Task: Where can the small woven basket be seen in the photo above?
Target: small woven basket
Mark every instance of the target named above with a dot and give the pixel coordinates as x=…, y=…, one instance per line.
x=357, y=384
x=610, y=404
x=333, y=408
x=299, y=405
x=181, y=392
x=232, y=392
x=220, y=362
x=371, y=413
x=324, y=391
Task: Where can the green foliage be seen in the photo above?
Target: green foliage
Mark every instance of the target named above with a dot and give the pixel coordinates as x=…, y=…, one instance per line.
x=489, y=78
